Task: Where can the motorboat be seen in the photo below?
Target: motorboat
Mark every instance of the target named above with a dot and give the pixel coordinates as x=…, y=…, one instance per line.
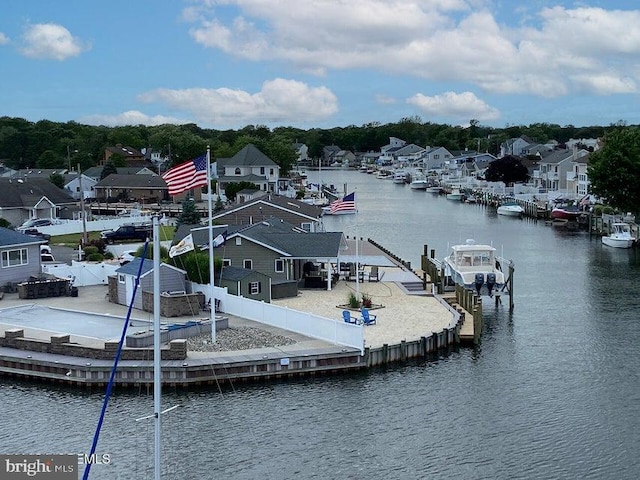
x=620, y=236
x=400, y=177
x=475, y=267
x=566, y=211
x=434, y=189
x=419, y=182
x=510, y=209
x=455, y=195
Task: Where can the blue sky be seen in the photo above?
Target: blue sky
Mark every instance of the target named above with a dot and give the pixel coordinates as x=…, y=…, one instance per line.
x=225, y=64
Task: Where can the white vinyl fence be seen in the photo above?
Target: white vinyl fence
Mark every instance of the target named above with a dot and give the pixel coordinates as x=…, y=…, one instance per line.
x=82, y=273
x=304, y=323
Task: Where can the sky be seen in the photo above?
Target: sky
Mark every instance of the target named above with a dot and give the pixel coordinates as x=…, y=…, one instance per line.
x=226, y=64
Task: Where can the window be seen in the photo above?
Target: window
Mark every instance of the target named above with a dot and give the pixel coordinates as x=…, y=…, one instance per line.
x=226, y=262
x=254, y=288
x=279, y=267
x=261, y=170
x=120, y=278
x=248, y=264
x=306, y=226
x=436, y=156
x=271, y=171
x=238, y=241
x=238, y=171
x=14, y=258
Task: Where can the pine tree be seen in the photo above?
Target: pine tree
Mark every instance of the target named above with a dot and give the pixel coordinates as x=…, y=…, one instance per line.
x=189, y=214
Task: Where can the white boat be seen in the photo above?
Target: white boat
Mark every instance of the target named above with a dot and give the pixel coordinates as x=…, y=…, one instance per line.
x=434, y=189
x=400, y=177
x=455, y=195
x=475, y=267
x=620, y=236
x=510, y=209
x=419, y=182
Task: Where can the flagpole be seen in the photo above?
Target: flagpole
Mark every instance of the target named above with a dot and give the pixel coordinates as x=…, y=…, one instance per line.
x=212, y=302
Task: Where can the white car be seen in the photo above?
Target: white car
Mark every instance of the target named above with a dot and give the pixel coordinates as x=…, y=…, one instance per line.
x=126, y=257
x=46, y=255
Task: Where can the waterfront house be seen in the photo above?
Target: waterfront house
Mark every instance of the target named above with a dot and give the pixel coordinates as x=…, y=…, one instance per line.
x=302, y=153
x=95, y=173
x=248, y=165
x=515, y=146
x=138, y=188
x=19, y=256
x=554, y=167
x=23, y=199
x=436, y=158
x=304, y=216
x=578, y=177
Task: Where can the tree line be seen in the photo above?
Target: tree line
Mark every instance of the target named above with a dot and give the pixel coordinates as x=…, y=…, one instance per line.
x=46, y=144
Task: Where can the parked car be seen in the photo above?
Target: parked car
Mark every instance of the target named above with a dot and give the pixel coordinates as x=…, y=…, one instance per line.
x=46, y=255
x=126, y=257
x=34, y=232
x=127, y=232
x=35, y=223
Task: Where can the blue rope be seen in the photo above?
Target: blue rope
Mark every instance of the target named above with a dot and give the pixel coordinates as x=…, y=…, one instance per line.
x=87, y=467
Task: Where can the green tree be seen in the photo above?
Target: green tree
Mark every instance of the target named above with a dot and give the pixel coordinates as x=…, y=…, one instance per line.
x=57, y=180
x=614, y=170
x=196, y=264
x=232, y=189
x=507, y=169
x=108, y=169
x=219, y=206
x=189, y=214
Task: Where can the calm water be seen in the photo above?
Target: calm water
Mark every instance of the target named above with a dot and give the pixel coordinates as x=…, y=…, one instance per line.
x=552, y=392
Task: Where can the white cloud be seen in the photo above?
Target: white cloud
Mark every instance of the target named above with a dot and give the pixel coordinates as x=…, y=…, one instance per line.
x=384, y=99
x=279, y=101
x=50, y=41
x=3, y=39
x=132, y=117
x=458, y=106
x=548, y=53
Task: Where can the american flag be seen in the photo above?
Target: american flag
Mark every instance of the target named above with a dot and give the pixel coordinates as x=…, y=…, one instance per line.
x=187, y=175
x=347, y=202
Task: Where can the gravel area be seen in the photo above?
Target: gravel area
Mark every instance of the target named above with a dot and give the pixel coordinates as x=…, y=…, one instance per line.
x=237, y=338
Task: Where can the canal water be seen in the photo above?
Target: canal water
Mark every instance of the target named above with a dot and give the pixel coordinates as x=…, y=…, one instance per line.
x=552, y=392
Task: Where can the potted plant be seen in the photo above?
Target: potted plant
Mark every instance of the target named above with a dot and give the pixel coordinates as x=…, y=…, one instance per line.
x=366, y=301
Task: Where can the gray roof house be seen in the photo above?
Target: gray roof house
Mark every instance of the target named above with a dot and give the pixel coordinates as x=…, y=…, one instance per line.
x=248, y=165
x=19, y=256
x=96, y=172
x=300, y=214
x=22, y=199
x=141, y=188
x=556, y=167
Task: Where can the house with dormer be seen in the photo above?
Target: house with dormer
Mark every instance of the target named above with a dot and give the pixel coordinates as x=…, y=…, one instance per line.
x=329, y=153
x=436, y=158
x=248, y=165
x=132, y=157
x=23, y=199
x=515, y=146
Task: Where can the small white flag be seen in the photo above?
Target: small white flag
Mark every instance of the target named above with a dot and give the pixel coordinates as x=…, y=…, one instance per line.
x=183, y=246
x=219, y=240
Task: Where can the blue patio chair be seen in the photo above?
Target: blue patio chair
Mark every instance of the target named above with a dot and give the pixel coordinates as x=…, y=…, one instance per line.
x=367, y=318
x=346, y=315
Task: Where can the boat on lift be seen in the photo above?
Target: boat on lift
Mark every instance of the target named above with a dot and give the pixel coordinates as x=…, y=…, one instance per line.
x=620, y=236
x=475, y=267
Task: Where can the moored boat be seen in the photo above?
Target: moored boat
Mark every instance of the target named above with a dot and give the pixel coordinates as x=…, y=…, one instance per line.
x=620, y=236
x=510, y=209
x=566, y=211
x=475, y=267
x=456, y=195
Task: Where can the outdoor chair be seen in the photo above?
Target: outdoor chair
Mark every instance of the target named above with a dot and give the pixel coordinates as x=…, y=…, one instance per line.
x=346, y=315
x=373, y=274
x=367, y=318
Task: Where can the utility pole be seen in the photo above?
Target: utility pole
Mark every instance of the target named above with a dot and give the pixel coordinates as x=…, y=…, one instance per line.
x=84, y=217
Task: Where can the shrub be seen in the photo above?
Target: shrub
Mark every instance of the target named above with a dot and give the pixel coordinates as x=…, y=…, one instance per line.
x=353, y=301
x=90, y=250
x=597, y=210
x=109, y=256
x=95, y=257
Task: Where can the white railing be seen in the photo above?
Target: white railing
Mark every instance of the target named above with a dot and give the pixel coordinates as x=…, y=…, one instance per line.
x=75, y=226
x=330, y=330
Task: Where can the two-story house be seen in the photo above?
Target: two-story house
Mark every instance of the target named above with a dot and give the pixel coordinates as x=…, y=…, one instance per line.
x=436, y=158
x=22, y=199
x=139, y=188
x=248, y=165
x=515, y=146
x=554, y=167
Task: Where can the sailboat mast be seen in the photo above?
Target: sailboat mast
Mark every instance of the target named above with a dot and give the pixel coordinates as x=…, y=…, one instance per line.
x=157, y=378
x=212, y=302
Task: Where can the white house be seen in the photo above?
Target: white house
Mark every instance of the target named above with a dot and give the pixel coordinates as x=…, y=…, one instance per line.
x=248, y=165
